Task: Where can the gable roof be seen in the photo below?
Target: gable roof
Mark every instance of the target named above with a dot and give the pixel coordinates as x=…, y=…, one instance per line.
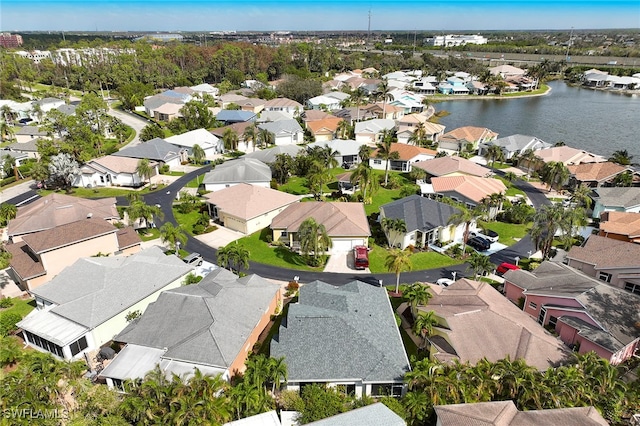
x=29, y=146
x=328, y=125
x=269, y=155
x=155, y=149
x=206, y=323
x=283, y=103
x=374, y=126
x=374, y=414
x=230, y=115
x=342, y=146
x=472, y=187
x=607, y=253
x=201, y=137
x=313, y=115
x=347, y=332
x=407, y=152
x=239, y=128
x=94, y=289
x=340, y=219
x=519, y=142
x=116, y=164
x=622, y=223
x=32, y=131
x=469, y=134
x=419, y=213
x=58, y=209
x=289, y=126
x=67, y=234
x=249, y=201
x=446, y=165
x=596, y=171
x=618, y=197
x=243, y=169
x=568, y=155
x=472, y=311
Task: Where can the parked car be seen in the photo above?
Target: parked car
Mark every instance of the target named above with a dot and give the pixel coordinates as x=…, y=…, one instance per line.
x=444, y=282
x=479, y=243
x=487, y=234
x=504, y=267
x=193, y=259
x=361, y=257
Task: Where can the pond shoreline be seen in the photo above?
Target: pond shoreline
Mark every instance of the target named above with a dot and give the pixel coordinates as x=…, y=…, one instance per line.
x=481, y=97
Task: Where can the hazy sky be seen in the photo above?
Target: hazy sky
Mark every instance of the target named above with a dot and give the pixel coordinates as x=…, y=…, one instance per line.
x=241, y=15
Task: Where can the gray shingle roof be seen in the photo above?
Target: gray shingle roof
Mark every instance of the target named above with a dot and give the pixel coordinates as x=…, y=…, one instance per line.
x=519, y=142
x=374, y=414
x=289, y=126
x=208, y=323
x=235, y=116
x=337, y=333
x=269, y=155
x=30, y=146
x=244, y=169
x=156, y=149
x=618, y=197
x=419, y=213
x=94, y=289
x=342, y=146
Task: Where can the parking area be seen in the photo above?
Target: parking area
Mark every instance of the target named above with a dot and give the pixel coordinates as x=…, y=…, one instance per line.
x=220, y=237
x=343, y=263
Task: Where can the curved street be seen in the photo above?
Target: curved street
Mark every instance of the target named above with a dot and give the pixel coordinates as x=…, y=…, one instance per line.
x=521, y=249
x=132, y=120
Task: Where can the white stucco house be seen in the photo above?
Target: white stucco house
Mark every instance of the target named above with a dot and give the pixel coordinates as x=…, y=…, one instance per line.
x=233, y=172
x=286, y=132
x=206, y=140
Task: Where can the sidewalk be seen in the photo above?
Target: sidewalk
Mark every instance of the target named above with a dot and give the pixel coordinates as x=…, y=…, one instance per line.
x=9, y=192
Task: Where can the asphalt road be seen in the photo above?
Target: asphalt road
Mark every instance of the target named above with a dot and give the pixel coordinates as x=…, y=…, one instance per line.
x=132, y=120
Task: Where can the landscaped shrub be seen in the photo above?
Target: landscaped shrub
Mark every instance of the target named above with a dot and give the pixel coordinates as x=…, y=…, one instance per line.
x=6, y=302
x=198, y=229
x=164, y=169
x=8, y=321
x=7, y=181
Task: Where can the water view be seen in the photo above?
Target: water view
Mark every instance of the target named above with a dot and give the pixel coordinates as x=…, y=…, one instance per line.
x=595, y=121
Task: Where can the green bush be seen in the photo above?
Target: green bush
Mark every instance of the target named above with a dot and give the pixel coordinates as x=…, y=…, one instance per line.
x=7, y=181
x=6, y=302
x=198, y=229
x=8, y=321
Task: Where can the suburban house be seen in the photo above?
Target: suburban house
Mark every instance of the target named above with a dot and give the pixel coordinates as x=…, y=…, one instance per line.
x=354, y=114
x=451, y=166
x=40, y=256
x=565, y=154
x=205, y=89
x=514, y=145
x=347, y=151
x=285, y=106
x=29, y=133
x=620, y=226
x=469, y=313
x=427, y=222
x=598, y=174
x=238, y=129
x=233, y=172
x=325, y=129
x=210, y=326
x=168, y=111
x=453, y=86
x=618, y=199
x=409, y=123
x=247, y=208
x=588, y=314
x=30, y=148
x=507, y=71
x=86, y=305
x=153, y=103
x=59, y=209
x=112, y=171
x=369, y=132
x=466, y=138
x=344, y=336
x=49, y=103
x=469, y=190
x=390, y=111
x=610, y=260
x=407, y=156
x=210, y=144
x=230, y=116
x=410, y=102
x=286, y=132
x=505, y=413
x=231, y=98
x=324, y=102
x=269, y=155
x=254, y=105
x=346, y=224
x=157, y=150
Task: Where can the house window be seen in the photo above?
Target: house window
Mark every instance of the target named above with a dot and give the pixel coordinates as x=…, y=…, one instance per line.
x=603, y=276
x=284, y=234
x=386, y=389
x=78, y=346
x=533, y=306
x=377, y=161
x=349, y=389
x=118, y=385
x=36, y=340
x=633, y=288
x=553, y=321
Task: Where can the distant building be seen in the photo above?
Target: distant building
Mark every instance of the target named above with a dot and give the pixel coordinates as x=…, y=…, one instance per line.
x=9, y=40
x=451, y=40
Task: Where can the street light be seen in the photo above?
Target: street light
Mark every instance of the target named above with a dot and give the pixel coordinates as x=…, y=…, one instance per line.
x=517, y=259
x=453, y=274
x=177, y=247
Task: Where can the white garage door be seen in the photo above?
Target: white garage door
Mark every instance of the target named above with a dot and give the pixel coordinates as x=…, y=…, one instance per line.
x=344, y=245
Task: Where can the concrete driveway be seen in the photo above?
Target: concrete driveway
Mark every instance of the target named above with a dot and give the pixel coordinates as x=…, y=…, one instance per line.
x=343, y=263
x=220, y=237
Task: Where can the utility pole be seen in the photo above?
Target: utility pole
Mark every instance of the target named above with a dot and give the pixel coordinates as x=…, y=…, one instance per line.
x=369, y=27
x=566, y=56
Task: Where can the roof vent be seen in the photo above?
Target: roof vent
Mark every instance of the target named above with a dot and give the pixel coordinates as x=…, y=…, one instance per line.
x=89, y=215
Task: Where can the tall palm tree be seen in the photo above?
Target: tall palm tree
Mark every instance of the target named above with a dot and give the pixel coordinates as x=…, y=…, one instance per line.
x=464, y=216
x=393, y=226
x=357, y=97
x=530, y=157
x=266, y=138
x=234, y=255
x=494, y=153
x=582, y=196
x=6, y=132
x=172, y=235
x=318, y=177
x=7, y=212
x=365, y=178
x=364, y=152
x=344, y=130
x=621, y=157
x=479, y=264
x=144, y=170
x=277, y=372
x=547, y=221
x=624, y=179
x=424, y=324
x=324, y=155
x=397, y=261
x=418, y=295
x=555, y=174
x=419, y=135
x=139, y=210
x=385, y=152
x=198, y=153
x=230, y=139
x=384, y=91
x=250, y=134
x=313, y=239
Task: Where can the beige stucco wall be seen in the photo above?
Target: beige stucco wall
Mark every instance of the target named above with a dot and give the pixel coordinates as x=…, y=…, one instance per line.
x=252, y=225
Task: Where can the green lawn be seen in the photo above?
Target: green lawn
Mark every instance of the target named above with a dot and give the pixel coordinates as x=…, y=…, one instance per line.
x=99, y=192
x=21, y=307
x=195, y=183
x=513, y=191
x=188, y=220
x=508, y=231
x=149, y=234
x=419, y=261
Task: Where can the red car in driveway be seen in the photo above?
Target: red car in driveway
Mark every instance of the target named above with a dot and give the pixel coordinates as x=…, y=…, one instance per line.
x=361, y=257
x=504, y=267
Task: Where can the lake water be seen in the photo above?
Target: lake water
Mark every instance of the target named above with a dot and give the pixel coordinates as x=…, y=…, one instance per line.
x=599, y=122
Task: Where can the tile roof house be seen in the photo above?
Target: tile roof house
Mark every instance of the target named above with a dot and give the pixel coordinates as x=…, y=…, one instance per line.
x=354, y=114
x=313, y=115
x=58, y=209
x=40, y=256
x=325, y=129
x=231, y=98
x=610, y=260
x=247, y=208
x=210, y=143
x=427, y=222
x=617, y=199
x=347, y=150
x=452, y=166
x=409, y=123
x=233, y=172
x=506, y=71
x=324, y=102
x=514, y=145
x=374, y=414
x=112, y=171
x=152, y=103
x=155, y=149
x=86, y=305
x=390, y=112
x=239, y=129
x=254, y=105
x=343, y=335
x=211, y=326
x=167, y=111
x=568, y=155
x=620, y=226
x=588, y=314
x=470, y=190
x=346, y=223
x=407, y=156
x=476, y=322
x=284, y=105
x=597, y=174
x=466, y=138
x=369, y=132
x=505, y=413
x=286, y=132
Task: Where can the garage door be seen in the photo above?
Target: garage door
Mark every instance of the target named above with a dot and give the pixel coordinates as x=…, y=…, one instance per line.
x=344, y=245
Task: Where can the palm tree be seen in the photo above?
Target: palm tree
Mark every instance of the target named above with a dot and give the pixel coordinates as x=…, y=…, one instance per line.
x=344, y=130
x=424, y=324
x=384, y=151
x=479, y=264
x=7, y=212
x=418, y=295
x=233, y=254
x=384, y=92
x=396, y=262
x=230, y=140
x=555, y=174
x=139, y=210
x=365, y=178
x=364, y=152
x=419, y=135
x=313, y=239
x=464, y=216
x=317, y=178
x=324, y=155
x=198, y=153
x=250, y=135
x=143, y=169
x=582, y=196
x=546, y=223
x=494, y=153
x=277, y=372
x=624, y=179
x=6, y=132
x=395, y=226
x=266, y=138
x=510, y=176
x=172, y=235
x=530, y=157
x=493, y=204
x=10, y=351
x=621, y=157
x=356, y=98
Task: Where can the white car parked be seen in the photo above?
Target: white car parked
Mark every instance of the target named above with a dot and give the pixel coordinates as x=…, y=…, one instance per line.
x=444, y=282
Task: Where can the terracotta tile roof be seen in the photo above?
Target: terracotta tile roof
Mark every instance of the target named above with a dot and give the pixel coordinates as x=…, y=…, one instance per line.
x=596, y=171
x=474, y=311
x=119, y=164
x=472, y=187
x=446, y=165
x=23, y=262
x=247, y=201
x=606, y=253
x=59, y=209
x=127, y=237
x=621, y=223
x=282, y=103
x=388, y=108
x=314, y=115
x=68, y=234
x=330, y=124
x=340, y=219
x=407, y=152
x=568, y=155
x=470, y=134
x=239, y=128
